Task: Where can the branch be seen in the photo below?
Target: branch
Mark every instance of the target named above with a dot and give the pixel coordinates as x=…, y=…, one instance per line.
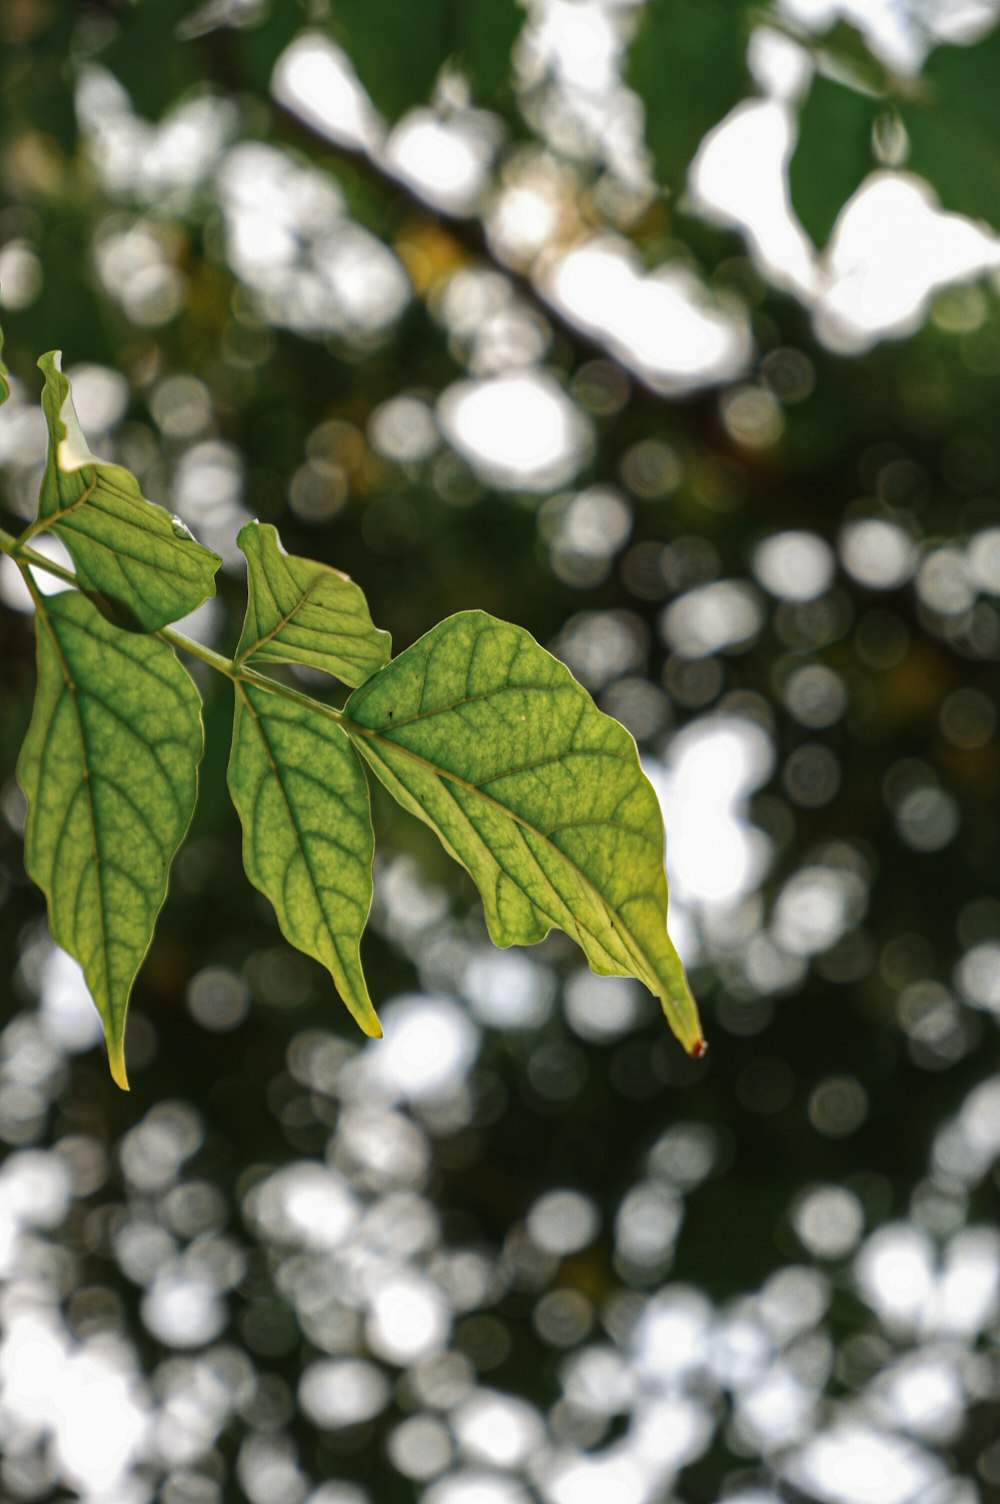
x=466, y=231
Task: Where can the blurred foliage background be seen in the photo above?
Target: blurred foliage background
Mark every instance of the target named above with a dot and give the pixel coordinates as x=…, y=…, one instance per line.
x=669, y=331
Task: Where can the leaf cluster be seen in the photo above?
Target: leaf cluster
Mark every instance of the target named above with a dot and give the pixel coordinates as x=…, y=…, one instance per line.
x=475, y=729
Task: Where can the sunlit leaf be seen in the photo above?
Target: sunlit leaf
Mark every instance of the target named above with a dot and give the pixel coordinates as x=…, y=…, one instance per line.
x=133, y=553
x=491, y=741
x=109, y=767
x=302, y=798
x=688, y=64
x=299, y=611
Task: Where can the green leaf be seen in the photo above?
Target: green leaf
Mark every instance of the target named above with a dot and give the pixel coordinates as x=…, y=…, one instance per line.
x=142, y=560
x=954, y=127
x=398, y=47
x=833, y=154
x=688, y=64
x=844, y=49
x=302, y=798
x=110, y=770
x=255, y=48
x=154, y=32
x=299, y=611
x=490, y=740
x=489, y=29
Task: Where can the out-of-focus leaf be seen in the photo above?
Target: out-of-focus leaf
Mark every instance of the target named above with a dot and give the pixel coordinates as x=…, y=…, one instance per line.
x=150, y=57
x=833, y=155
x=303, y=802
x=489, y=739
x=688, y=64
x=135, y=554
x=299, y=611
x=489, y=29
x=845, y=47
x=258, y=47
x=398, y=47
x=110, y=770
x=954, y=127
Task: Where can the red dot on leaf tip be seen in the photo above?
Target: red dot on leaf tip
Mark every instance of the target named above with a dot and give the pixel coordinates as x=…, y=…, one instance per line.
x=700, y=1049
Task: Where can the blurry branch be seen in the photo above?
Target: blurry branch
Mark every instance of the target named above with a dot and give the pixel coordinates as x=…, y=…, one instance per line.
x=465, y=231
x=695, y=414
x=772, y=498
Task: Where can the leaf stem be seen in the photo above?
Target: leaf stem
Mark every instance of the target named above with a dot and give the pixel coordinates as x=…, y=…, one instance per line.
x=196, y=649
x=23, y=556
x=17, y=549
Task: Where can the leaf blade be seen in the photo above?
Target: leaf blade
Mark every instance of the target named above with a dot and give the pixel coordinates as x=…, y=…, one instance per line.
x=402, y=75
x=488, y=33
x=833, y=153
x=954, y=127
x=295, y=779
x=109, y=767
x=948, y=114
x=492, y=742
x=687, y=62
x=124, y=547
x=426, y=36
x=300, y=611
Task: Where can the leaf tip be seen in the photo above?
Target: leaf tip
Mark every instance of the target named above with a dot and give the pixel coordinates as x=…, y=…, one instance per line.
x=248, y=533
x=362, y=1011
x=682, y=1016
x=116, y=1061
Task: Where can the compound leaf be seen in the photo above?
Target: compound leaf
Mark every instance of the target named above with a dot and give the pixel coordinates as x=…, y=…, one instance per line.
x=299, y=611
x=302, y=798
x=489, y=739
x=134, y=554
x=110, y=770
